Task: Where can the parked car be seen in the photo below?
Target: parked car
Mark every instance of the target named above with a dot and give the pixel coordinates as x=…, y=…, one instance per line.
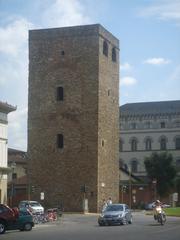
x=150, y=206
x=12, y=219
x=115, y=214
x=33, y=206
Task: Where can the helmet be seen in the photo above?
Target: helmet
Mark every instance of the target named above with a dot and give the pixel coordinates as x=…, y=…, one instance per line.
x=157, y=201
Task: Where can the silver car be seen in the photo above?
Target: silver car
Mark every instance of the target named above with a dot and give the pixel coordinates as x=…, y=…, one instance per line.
x=115, y=214
x=34, y=206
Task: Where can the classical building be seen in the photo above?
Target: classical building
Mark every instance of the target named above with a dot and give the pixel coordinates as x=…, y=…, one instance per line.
x=73, y=116
x=147, y=127
x=4, y=170
x=17, y=178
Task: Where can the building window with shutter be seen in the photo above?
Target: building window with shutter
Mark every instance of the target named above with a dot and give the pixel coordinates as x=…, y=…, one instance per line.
x=134, y=145
x=163, y=144
x=148, y=144
x=134, y=166
x=120, y=145
x=162, y=124
x=177, y=142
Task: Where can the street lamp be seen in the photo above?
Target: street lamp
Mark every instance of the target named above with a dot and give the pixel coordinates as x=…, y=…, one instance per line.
x=130, y=187
x=13, y=166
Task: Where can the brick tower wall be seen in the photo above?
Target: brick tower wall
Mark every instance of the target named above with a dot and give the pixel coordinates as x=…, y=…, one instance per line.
x=108, y=164
x=69, y=58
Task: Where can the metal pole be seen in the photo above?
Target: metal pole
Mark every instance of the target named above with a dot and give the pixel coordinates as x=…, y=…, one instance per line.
x=122, y=190
x=130, y=188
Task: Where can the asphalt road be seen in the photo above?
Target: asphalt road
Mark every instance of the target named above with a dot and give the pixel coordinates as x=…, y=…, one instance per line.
x=80, y=227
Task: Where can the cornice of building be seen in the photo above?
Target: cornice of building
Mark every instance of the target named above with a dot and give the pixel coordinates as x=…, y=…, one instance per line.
x=6, y=108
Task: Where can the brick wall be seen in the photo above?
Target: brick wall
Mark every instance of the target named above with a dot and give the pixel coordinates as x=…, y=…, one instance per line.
x=72, y=58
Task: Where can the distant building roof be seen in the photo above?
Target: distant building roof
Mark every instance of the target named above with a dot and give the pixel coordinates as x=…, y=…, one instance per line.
x=149, y=108
x=15, y=151
x=16, y=156
x=6, y=108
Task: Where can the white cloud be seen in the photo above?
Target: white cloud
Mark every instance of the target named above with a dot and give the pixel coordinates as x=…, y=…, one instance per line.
x=14, y=53
x=14, y=36
x=157, y=61
x=17, y=129
x=14, y=75
x=128, y=81
x=125, y=67
x=14, y=59
x=163, y=10
x=65, y=13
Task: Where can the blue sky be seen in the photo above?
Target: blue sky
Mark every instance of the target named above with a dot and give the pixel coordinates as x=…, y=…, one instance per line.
x=149, y=34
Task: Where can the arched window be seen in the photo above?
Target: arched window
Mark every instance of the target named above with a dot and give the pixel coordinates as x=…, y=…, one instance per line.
x=148, y=144
x=134, y=166
x=134, y=145
x=177, y=143
x=121, y=145
x=162, y=124
x=133, y=125
x=114, y=55
x=147, y=125
x=105, y=48
x=163, y=143
x=121, y=163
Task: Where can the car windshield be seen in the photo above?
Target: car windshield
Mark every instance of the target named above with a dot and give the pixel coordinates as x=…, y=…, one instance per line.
x=114, y=208
x=35, y=204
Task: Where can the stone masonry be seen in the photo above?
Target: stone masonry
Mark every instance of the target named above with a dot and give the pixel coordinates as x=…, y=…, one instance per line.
x=87, y=116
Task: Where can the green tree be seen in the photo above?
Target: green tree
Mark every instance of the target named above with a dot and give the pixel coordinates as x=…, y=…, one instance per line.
x=160, y=167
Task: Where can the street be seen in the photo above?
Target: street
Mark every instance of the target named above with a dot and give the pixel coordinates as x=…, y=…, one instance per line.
x=85, y=227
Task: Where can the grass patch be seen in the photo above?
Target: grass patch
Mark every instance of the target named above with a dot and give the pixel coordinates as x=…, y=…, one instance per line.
x=172, y=211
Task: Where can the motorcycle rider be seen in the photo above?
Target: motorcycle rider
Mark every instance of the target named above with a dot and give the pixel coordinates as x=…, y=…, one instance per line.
x=156, y=204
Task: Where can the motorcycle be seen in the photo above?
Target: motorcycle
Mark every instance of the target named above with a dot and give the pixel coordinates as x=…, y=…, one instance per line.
x=160, y=215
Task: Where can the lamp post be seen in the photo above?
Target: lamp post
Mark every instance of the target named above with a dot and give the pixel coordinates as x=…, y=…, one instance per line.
x=130, y=187
x=13, y=166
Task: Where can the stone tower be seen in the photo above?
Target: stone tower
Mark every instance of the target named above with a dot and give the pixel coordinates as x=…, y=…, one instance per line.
x=73, y=116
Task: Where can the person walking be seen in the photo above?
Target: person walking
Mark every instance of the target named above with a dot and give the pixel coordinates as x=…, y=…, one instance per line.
x=109, y=201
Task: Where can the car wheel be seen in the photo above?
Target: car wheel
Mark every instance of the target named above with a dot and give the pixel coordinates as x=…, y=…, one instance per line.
x=2, y=227
x=27, y=227
x=130, y=221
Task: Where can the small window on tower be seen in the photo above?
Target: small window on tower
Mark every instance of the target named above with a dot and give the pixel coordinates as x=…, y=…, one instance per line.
x=105, y=48
x=60, y=141
x=62, y=53
x=114, y=55
x=60, y=94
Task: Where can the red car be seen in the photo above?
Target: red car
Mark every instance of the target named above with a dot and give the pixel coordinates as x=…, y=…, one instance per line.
x=12, y=218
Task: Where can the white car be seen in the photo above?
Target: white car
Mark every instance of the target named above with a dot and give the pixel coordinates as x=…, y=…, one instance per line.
x=33, y=206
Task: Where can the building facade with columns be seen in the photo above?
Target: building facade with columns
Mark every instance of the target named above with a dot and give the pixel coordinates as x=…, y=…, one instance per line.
x=147, y=127
x=4, y=170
